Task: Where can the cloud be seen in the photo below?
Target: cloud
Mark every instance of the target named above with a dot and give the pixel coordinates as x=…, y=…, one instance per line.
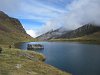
x=31, y=9
x=82, y=12
x=31, y=33
x=50, y=25
x=79, y=12
x=40, y=10
x=37, y=11
x=70, y=14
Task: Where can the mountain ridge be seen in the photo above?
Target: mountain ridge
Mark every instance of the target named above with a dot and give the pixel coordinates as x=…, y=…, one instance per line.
x=81, y=31
x=52, y=34
x=84, y=30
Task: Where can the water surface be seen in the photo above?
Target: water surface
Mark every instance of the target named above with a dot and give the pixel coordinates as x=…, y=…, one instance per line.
x=77, y=58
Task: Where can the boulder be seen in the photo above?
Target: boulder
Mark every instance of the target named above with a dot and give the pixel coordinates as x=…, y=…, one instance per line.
x=0, y=50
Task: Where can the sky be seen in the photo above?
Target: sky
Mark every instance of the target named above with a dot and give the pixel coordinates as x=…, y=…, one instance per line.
x=40, y=16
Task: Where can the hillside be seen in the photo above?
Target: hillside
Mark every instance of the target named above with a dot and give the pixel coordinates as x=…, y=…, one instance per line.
x=92, y=37
x=84, y=31
x=21, y=62
x=52, y=34
x=11, y=30
x=81, y=31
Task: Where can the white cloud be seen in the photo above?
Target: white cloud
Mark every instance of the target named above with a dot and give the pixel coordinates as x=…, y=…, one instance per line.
x=79, y=12
x=50, y=25
x=31, y=9
x=31, y=33
x=82, y=12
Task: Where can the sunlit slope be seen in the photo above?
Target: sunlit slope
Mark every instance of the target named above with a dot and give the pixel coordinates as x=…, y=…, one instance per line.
x=11, y=30
x=91, y=37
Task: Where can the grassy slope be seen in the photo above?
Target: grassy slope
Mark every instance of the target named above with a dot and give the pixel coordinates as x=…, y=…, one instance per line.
x=18, y=62
x=93, y=38
x=11, y=30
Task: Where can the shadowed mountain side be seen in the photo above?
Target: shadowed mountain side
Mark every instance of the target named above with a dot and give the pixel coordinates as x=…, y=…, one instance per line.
x=81, y=31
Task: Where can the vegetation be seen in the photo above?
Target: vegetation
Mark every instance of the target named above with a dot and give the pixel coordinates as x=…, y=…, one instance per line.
x=93, y=38
x=11, y=30
x=17, y=62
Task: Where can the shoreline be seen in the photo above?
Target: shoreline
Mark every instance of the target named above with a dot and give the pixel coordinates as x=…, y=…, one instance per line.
x=17, y=56
x=38, y=61
x=77, y=40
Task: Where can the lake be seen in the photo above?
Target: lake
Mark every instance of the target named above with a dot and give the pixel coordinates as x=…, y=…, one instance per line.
x=74, y=57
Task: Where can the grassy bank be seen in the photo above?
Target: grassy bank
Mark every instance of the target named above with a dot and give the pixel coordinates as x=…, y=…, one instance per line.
x=76, y=40
x=18, y=62
x=91, y=39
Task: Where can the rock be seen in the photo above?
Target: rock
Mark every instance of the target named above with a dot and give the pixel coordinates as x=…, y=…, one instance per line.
x=0, y=50
x=10, y=46
x=35, y=46
x=18, y=66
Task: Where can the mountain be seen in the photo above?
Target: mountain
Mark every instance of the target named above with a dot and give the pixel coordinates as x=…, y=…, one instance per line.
x=87, y=29
x=11, y=30
x=81, y=31
x=92, y=37
x=52, y=34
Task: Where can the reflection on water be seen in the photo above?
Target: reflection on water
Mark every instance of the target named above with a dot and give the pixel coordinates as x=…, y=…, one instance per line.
x=79, y=59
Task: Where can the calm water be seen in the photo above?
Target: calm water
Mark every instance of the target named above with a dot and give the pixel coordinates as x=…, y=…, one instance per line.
x=77, y=58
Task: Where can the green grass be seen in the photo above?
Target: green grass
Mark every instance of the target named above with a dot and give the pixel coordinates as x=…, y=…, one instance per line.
x=11, y=31
x=18, y=62
x=93, y=39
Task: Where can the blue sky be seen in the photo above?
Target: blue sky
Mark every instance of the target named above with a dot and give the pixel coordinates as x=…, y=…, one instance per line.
x=38, y=12
x=40, y=16
x=33, y=14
